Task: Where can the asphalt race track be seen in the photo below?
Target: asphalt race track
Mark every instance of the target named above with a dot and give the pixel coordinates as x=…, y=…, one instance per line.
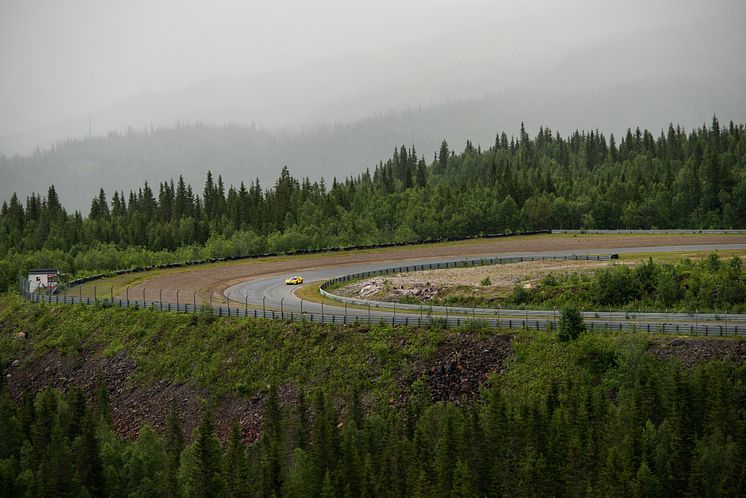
x=271, y=293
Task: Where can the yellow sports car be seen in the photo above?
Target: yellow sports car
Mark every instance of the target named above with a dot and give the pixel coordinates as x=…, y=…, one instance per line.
x=294, y=280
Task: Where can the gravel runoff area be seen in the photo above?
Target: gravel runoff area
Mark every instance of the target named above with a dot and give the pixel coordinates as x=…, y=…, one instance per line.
x=480, y=280
x=217, y=277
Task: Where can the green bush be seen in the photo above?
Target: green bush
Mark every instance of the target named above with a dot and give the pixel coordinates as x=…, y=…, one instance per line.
x=570, y=324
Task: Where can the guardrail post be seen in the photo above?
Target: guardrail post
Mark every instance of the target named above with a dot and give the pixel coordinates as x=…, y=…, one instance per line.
x=639, y=318
x=264, y=308
x=282, y=309
x=127, y=295
x=322, y=311
x=111, y=295
x=160, y=299
x=194, y=302
x=95, y=296
x=80, y=293
x=368, y=313
x=177, y=300
x=301, y=306
x=345, y=311
x=394, y=311
x=143, y=297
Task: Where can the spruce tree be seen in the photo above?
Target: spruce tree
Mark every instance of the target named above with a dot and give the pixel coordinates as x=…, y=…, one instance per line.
x=235, y=464
x=88, y=466
x=173, y=447
x=201, y=467
x=272, y=445
x=103, y=407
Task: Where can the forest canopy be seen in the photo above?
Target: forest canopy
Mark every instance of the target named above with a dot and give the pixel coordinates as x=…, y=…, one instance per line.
x=678, y=179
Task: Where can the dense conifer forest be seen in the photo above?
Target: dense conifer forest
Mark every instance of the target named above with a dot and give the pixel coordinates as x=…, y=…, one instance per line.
x=677, y=179
x=584, y=414
x=598, y=416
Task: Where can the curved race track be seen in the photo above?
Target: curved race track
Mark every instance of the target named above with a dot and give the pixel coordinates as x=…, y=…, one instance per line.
x=249, y=284
x=270, y=292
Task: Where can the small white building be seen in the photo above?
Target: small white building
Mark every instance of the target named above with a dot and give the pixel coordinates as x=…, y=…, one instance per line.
x=43, y=280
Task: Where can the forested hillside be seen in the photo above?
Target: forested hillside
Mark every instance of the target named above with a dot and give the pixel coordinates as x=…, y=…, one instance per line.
x=678, y=179
x=359, y=411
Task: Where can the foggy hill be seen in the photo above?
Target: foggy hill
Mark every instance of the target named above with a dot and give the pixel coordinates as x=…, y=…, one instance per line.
x=339, y=116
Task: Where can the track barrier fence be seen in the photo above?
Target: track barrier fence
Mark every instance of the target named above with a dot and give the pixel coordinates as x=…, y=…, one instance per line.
x=357, y=311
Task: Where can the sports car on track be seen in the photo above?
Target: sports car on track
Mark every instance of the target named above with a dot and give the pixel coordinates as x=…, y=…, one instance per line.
x=294, y=280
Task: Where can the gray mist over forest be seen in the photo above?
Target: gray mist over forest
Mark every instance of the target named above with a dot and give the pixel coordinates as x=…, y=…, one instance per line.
x=114, y=93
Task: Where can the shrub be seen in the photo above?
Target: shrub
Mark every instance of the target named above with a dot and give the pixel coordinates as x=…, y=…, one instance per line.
x=616, y=285
x=520, y=295
x=549, y=280
x=486, y=281
x=570, y=324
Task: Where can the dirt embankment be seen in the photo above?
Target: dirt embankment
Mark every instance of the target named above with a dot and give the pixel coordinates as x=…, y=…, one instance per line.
x=216, y=279
x=455, y=373
x=462, y=365
x=132, y=403
x=693, y=351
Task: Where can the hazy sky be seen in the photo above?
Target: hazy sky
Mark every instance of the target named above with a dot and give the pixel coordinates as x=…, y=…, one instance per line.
x=390, y=71
x=66, y=59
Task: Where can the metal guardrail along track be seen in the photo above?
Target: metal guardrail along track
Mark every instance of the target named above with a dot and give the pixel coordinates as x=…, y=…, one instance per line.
x=537, y=320
x=354, y=318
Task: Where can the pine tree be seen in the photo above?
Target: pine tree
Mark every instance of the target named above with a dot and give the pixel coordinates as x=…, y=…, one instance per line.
x=235, y=464
x=173, y=447
x=443, y=156
x=301, y=424
x=462, y=481
x=102, y=408
x=271, y=445
x=300, y=479
x=201, y=464
x=88, y=466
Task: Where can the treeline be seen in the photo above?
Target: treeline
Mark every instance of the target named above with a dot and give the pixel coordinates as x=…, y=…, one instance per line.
x=675, y=180
x=646, y=430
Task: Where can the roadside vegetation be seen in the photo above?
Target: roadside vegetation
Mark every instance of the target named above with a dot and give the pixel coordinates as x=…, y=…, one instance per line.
x=711, y=284
x=594, y=415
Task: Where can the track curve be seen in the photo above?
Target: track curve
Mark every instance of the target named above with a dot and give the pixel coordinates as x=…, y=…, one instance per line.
x=270, y=292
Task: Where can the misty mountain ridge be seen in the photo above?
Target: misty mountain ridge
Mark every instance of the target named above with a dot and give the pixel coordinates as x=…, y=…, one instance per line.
x=491, y=58
x=122, y=161
x=337, y=117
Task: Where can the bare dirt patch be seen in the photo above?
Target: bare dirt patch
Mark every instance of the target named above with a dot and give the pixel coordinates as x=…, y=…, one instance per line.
x=692, y=352
x=477, y=281
x=463, y=364
x=134, y=404
x=216, y=278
